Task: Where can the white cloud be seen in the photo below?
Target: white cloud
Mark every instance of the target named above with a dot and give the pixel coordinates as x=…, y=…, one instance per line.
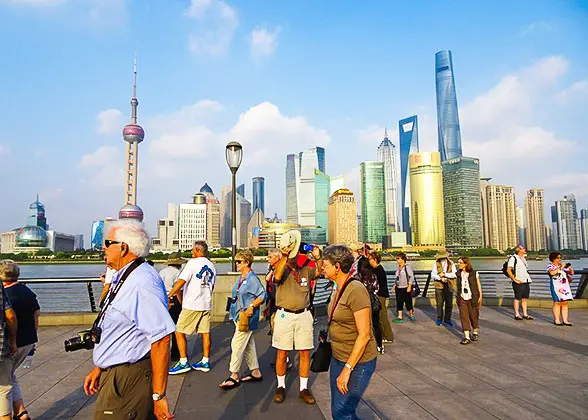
x=110, y=121
x=535, y=27
x=263, y=42
x=576, y=91
x=101, y=157
x=564, y=182
x=217, y=23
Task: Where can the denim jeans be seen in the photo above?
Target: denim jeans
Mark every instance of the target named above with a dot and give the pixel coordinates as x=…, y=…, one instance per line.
x=343, y=406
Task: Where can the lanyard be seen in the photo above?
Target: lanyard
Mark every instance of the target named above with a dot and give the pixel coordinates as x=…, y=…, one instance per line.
x=339, y=295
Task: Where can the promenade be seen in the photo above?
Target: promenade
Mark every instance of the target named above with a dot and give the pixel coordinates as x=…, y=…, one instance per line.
x=518, y=370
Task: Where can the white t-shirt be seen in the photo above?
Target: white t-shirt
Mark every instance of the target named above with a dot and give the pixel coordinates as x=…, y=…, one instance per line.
x=200, y=277
x=521, y=272
x=169, y=276
x=110, y=273
x=466, y=290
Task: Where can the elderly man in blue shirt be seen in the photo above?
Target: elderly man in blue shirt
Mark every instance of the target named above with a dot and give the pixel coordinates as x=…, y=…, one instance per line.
x=132, y=357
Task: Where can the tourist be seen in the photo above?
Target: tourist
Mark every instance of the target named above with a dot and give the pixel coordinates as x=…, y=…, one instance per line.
x=560, y=275
x=444, y=275
x=293, y=325
x=365, y=274
x=247, y=295
x=106, y=279
x=352, y=341
x=273, y=258
x=132, y=356
x=169, y=275
x=10, y=355
x=197, y=279
x=403, y=287
x=518, y=271
x=375, y=259
x=469, y=299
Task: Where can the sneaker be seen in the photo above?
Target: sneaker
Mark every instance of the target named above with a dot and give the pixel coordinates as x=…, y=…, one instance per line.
x=412, y=318
x=398, y=320
x=306, y=395
x=387, y=341
x=180, y=368
x=381, y=350
x=201, y=366
x=475, y=337
x=449, y=324
x=438, y=322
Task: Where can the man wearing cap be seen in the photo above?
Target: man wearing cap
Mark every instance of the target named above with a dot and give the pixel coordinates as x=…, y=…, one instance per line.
x=170, y=275
x=444, y=277
x=293, y=325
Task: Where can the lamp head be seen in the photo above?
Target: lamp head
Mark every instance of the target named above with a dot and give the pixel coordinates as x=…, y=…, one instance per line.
x=234, y=155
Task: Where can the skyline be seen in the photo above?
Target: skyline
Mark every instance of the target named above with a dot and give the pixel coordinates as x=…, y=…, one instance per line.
x=515, y=98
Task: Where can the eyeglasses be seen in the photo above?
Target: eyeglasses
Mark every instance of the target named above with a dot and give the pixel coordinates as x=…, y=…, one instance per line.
x=238, y=261
x=108, y=242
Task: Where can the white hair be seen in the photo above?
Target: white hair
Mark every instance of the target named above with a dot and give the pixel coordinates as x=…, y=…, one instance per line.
x=134, y=234
x=274, y=251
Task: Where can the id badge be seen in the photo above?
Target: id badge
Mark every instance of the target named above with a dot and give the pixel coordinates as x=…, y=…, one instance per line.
x=303, y=282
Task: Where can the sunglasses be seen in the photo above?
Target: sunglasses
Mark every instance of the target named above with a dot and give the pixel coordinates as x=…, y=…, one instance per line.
x=238, y=261
x=108, y=242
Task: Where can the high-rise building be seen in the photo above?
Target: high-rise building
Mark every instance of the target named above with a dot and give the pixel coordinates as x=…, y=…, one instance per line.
x=243, y=218
x=259, y=193
x=212, y=217
x=584, y=228
x=322, y=189
x=133, y=134
x=387, y=154
x=408, y=130
x=554, y=245
x=100, y=229
x=567, y=223
x=254, y=227
x=447, y=115
x=499, y=211
x=192, y=222
x=520, y=221
x=225, y=217
x=241, y=190
x=79, y=241
x=167, y=232
x=484, y=182
x=373, y=207
x=291, y=196
x=426, y=200
x=535, y=220
x=342, y=226
x=462, y=203
x=548, y=240
x=37, y=215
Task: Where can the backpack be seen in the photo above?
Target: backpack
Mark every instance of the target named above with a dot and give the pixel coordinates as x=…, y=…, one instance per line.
x=505, y=266
x=369, y=280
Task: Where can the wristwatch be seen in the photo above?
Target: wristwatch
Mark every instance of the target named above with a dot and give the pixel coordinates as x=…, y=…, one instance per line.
x=157, y=397
x=348, y=366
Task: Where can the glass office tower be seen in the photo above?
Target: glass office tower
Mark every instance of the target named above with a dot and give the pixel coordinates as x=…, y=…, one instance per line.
x=373, y=201
x=291, y=198
x=322, y=189
x=408, y=130
x=447, y=115
x=387, y=154
x=259, y=194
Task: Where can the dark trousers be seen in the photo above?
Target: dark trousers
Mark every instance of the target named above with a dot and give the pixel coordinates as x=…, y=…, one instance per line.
x=469, y=314
x=387, y=333
x=174, y=312
x=403, y=298
x=444, y=299
x=343, y=406
x=377, y=327
x=125, y=393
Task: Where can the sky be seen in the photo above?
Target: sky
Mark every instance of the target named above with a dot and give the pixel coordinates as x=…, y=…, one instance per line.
x=278, y=77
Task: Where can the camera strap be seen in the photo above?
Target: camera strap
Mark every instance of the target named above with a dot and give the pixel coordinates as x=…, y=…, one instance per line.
x=113, y=292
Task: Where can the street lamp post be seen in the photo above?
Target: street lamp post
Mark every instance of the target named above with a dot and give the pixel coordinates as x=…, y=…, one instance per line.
x=234, y=155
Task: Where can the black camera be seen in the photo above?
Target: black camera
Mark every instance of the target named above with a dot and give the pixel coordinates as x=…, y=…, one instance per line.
x=85, y=340
x=230, y=301
x=305, y=248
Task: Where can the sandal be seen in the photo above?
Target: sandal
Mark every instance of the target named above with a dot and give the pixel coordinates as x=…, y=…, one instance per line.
x=518, y=317
x=528, y=317
x=20, y=415
x=465, y=341
x=234, y=384
x=251, y=378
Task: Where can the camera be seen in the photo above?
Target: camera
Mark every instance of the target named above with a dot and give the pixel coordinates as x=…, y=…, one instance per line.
x=568, y=265
x=305, y=248
x=230, y=301
x=85, y=340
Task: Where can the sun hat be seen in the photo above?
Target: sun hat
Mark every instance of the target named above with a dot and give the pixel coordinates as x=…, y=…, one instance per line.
x=290, y=241
x=175, y=259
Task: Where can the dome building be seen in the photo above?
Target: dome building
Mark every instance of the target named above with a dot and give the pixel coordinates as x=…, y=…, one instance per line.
x=31, y=237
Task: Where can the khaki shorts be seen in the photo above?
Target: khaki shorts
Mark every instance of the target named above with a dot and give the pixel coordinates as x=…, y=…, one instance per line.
x=191, y=322
x=293, y=331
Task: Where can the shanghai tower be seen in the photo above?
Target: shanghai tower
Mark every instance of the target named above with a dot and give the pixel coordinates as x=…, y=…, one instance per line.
x=447, y=115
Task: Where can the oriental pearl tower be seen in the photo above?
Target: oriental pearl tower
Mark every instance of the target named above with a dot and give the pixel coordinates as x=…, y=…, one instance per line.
x=133, y=134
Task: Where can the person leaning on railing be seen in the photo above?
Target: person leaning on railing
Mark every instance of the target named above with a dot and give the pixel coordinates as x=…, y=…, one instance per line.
x=560, y=275
x=352, y=340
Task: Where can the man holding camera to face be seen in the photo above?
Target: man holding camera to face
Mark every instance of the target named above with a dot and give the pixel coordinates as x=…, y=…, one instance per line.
x=131, y=336
x=293, y=325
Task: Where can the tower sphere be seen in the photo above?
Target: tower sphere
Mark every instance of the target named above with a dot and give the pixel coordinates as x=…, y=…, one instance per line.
x=133, y=133
x=130, y=211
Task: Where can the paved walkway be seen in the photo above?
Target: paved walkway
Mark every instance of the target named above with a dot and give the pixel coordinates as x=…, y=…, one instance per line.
x=518, y=370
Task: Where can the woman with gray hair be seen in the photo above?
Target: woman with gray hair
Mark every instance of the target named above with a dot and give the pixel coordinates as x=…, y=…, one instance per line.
x=25, y=305
x=350, y=328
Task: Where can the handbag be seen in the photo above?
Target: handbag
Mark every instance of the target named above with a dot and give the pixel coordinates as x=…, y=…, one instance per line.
x=243, y=324
x=321, y=358
x=416, y=290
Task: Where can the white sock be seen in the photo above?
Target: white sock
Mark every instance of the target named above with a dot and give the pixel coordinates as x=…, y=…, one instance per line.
x=287, y=359
x=183, y=360
x=303, y=383
x=205, y=360
x=281, y=381
x=467, y=334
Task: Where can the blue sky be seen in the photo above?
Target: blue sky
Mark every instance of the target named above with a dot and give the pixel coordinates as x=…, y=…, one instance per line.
x=278, y=77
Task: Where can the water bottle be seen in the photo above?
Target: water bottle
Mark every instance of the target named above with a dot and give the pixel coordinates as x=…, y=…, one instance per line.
x=28, y=361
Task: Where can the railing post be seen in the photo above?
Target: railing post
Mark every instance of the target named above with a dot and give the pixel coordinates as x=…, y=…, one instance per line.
x=91, y=297
x=582, y=286
x=427, y=285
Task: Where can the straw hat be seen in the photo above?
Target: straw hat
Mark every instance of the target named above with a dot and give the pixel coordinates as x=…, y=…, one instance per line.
x=442, y=254
x=175, y=259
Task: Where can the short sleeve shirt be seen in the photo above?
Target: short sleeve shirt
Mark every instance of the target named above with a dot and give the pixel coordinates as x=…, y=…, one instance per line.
x=343, y=330
x=200, y=277
x=25, y=304
x=293, y=292
x=169, y=276
x=521, y=272
x=246, y=290
x=137, y=318
x=110, y=273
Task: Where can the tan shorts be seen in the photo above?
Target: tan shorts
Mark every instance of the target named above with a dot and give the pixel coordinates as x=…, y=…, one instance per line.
x=293, y=331
x=192, y=322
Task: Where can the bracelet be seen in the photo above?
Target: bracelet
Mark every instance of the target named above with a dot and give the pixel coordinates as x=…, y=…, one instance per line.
x=348, y=366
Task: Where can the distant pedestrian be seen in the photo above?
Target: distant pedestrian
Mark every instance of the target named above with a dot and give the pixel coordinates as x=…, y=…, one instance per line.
x=518, y=271
x=18, y=327
x=247, y=296
x=375, y=259
x=197, y=279
x=402, y=287
x=354, y=348
x=273, y=258
x=106, y=279
x=169, y=275
x=469, y=299
x=560, y=275
x=444, y=275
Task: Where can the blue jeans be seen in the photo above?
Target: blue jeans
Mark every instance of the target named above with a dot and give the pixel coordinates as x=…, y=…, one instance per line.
x=343, y=406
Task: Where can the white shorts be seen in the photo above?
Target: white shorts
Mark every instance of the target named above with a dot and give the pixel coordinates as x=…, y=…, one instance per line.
x=293, y=331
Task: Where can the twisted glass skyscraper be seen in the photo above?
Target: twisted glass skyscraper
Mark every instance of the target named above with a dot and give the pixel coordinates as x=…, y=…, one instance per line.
x=447, y=115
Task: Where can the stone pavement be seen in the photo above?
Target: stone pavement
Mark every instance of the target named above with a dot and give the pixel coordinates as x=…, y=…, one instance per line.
x=518, y=370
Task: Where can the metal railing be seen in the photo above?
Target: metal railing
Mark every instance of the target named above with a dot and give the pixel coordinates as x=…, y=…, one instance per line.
x=80, y=294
